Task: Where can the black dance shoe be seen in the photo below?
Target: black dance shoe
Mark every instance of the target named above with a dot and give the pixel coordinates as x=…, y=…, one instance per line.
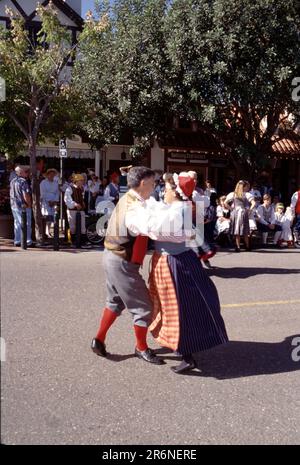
x=177, y=354
x=149, y=356
x=98, y=347
x=185, y=365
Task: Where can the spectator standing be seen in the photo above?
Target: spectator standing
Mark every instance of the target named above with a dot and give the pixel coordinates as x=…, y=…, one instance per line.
x=295, y=206
x=94, y=190
x=74, y=199
x=208, y=188
x=49, y=191
x=20, y=197
x=112, y=191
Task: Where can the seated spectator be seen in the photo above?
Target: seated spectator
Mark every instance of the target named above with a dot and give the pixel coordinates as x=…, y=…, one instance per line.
x=284, y=219
x=253, y=212
x=222, y=227
x=266, y=218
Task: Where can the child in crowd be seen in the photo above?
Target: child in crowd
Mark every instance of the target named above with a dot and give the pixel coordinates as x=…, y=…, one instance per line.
x=266, y=219
x=223, y=222
x=253, y=212
x=284, y=237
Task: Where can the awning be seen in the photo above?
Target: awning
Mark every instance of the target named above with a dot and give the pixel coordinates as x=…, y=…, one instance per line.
x=200, y=141
x=50, y=152
x=286, y=146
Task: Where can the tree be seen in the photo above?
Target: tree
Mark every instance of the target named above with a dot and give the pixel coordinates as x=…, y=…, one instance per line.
x=122, y=71
x=93, y=80
x=233, y=62
x=12, y=140
x=36, y=77
x=262, y=50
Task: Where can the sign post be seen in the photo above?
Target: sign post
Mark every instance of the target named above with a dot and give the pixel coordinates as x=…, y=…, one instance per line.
x=62, y=154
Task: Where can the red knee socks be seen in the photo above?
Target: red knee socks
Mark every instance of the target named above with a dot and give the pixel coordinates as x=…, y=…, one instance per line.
x=141, y=337
x=107, y=320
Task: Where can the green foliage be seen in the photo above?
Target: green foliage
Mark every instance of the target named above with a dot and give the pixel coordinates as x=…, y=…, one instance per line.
x=12, y=140
x=37, y=87
x=122, y=70
x=234, y=61
x=34, y=72
x=226, y=63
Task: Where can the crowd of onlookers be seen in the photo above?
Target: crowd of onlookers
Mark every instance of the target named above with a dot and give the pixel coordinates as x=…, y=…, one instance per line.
x=248, y=211
x=81, y=192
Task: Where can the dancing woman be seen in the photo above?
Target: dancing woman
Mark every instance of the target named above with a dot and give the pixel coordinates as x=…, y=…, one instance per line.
x=186, y=310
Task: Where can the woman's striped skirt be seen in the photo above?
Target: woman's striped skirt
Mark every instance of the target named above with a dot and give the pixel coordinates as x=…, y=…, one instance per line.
x=186, y=308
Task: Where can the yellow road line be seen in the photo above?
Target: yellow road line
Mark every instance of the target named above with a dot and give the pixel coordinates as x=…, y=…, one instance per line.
x=258, y=304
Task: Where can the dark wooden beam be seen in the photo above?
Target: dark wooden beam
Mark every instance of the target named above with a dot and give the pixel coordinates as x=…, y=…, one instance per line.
x=20, y=9
x=64, y=8
x=69, y=12
x=33, y=14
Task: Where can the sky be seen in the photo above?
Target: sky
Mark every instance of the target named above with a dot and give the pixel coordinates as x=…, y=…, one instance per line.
x=86, y=5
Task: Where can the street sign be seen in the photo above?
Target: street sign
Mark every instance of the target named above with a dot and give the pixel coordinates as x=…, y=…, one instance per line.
x=63, y=153
x=63, y=148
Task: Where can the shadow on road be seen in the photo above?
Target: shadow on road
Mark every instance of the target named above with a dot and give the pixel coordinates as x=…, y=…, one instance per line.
x=278, y=251
x=119, y=358
x=9, y=250
x=239, y=359
x=242, y=273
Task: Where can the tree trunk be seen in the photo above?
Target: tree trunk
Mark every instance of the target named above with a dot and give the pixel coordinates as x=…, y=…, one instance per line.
x=36, y=206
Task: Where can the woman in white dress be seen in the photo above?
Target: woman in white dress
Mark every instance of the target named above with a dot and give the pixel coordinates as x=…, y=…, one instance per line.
x=238, y=202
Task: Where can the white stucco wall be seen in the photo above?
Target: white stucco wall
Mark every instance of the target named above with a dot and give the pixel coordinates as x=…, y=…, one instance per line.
x=157, y=157
x=76, y=5
x=3, y=4
x=28, y=6
x=113, y=152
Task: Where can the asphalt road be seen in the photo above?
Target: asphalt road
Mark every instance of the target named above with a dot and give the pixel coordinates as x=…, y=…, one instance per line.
x=56, y=391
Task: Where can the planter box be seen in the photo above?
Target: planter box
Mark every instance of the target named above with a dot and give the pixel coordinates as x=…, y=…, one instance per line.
x=6, y=226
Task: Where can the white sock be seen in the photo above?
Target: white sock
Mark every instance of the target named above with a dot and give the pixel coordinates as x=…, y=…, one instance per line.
x=264, y=237
x=277, y=236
